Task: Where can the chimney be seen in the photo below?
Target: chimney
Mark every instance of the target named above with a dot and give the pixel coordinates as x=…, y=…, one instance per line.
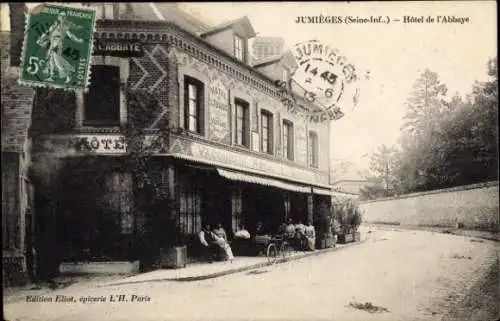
x=17, y=11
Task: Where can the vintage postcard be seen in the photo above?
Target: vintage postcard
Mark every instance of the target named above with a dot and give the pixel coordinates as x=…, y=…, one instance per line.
x=250, y=161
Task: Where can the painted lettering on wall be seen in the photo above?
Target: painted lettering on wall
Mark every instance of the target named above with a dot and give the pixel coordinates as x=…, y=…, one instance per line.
x=301, y=144
x=249, y=162
x=219, y=111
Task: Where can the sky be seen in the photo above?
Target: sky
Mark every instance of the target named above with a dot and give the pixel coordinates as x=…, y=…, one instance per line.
x=395, y=54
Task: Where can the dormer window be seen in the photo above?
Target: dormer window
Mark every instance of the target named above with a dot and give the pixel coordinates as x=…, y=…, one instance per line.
x=239, y=48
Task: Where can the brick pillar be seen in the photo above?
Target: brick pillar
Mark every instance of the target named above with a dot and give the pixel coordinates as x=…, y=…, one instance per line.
x=172, y=191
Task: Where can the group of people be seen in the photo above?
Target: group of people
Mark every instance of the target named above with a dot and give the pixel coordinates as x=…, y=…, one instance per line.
x=302, y=237
x=215, y=240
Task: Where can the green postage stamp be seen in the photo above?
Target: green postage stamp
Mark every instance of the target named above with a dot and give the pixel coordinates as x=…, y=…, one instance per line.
x=57, y=48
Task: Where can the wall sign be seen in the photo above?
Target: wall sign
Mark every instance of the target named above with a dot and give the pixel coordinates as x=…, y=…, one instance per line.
x=219, y=111
x=118, y=48
x=81, y=144
x=228, y=157
x=301, y=144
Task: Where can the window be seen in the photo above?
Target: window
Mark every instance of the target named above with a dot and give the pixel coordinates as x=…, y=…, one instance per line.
x=193, y=105
x=266, y=132
x=237, y=207
x=102, y=101
x=285, y=74
x=242, y=132
x=239, y=48
x=190, y=205
x=287, y=139
x=313, y=149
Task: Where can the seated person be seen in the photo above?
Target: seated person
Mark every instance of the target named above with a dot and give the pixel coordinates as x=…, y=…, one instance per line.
x=220, y=231
x=206, y=238
x=290, y=230
x=241, y=241
x=242, y=233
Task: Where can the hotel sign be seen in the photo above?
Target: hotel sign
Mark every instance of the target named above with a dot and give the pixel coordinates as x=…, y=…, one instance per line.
x=219, y=111
x=118, y=48
x=82, y=144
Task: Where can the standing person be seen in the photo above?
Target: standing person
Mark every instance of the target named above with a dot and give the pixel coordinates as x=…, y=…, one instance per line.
x=300, y=237
x=310, y=235
x=207, y=239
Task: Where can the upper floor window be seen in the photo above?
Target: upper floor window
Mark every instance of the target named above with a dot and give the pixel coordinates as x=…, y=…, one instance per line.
x=242, y=128
x=288, y=139
x=193, y=105
x=239, y=48
x=102, y=101
x=313, y=149
x=266, y=132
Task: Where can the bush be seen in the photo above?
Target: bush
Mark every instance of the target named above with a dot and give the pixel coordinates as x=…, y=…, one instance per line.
x=347, y=214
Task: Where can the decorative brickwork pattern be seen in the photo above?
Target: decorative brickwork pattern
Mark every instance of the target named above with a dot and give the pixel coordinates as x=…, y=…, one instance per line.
x=149, y=73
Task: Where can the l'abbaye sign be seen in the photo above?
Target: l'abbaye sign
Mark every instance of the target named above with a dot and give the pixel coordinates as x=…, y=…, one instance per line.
x=123, y=48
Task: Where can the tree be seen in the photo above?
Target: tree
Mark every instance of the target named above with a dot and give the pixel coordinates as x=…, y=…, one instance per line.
x=382, y=179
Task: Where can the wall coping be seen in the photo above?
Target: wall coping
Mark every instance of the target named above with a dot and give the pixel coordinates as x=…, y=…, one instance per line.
x=437, y=191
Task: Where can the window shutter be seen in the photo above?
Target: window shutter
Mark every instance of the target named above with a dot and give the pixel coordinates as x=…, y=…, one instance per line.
x=278, y=136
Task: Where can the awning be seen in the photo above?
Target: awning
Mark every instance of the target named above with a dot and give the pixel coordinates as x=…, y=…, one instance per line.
x=322, y=191
x=254, y=179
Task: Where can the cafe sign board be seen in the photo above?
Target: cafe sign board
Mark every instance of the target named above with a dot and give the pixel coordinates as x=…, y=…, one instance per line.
x=122, y=48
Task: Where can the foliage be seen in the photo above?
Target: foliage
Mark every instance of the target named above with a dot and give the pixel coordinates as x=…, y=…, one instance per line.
x=347, y=214
x=445, y=142
x=382, y=179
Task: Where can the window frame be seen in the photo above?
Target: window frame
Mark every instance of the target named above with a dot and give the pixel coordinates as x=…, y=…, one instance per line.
x=288, y=140
x=313, y=149
x=270, y=119
x=285, y=74
x=239, y=49
x=85, y=101
x=245, y=128
x=200, y=94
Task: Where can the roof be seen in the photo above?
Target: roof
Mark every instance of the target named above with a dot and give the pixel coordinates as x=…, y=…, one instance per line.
x=266, y=61
x=242, y=25
x=171, y=12
x=269, y=39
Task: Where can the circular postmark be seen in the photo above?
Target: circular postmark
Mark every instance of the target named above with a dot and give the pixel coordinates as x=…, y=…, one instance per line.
x=323, y=78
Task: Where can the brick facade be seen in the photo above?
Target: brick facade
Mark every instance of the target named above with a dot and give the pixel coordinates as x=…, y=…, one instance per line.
x=16, y=104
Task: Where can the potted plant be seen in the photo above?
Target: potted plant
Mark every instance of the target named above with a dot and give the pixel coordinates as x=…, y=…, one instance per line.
x=325, y=237
x=349, y=218
x=355, y=221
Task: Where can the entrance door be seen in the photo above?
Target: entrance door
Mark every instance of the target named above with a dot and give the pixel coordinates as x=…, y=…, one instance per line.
x=217, y=203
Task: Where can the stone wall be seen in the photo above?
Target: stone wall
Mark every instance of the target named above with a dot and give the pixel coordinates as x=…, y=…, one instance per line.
x=473, y=207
